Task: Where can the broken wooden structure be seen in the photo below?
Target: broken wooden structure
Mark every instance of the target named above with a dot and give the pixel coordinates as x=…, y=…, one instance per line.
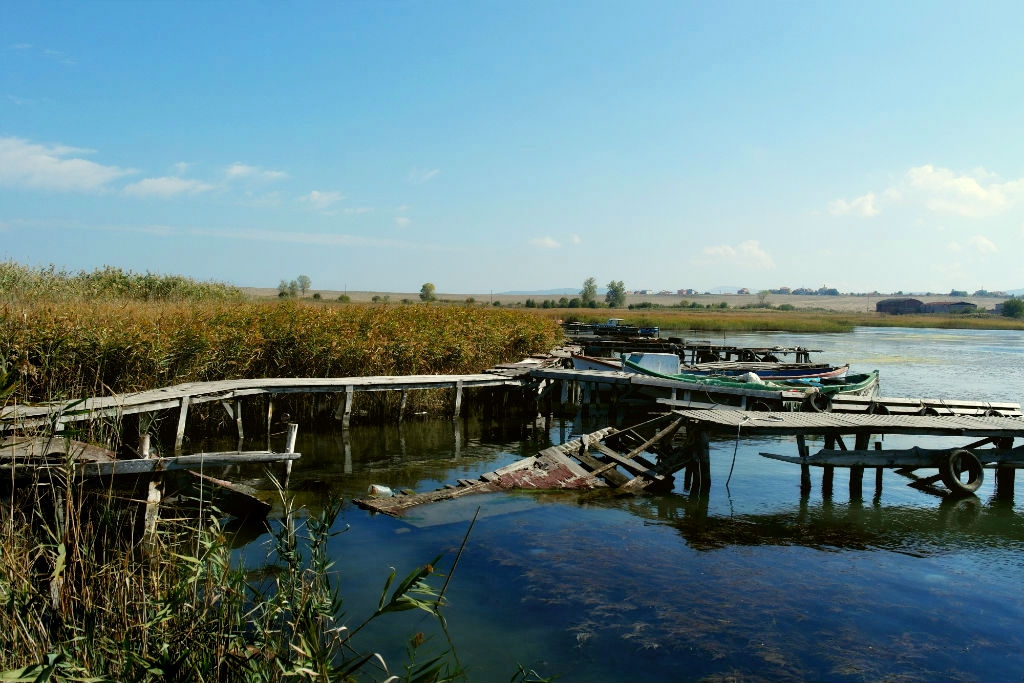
x=640, y=458
x=960, y=469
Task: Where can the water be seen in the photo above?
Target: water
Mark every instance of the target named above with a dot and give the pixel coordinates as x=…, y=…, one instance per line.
x=750, y=583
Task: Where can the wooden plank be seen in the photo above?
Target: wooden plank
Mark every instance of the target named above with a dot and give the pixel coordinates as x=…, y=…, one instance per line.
x=628, y=463
x=605, y=470
x=182, y=462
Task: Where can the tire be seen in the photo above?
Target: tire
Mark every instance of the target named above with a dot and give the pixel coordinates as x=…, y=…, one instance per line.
x=992, y=412
x=747, y=356
x=818, y=403
x=879, y=409
x=956, y=463
x=770, y=358
x=708, y=357
x=928, y=410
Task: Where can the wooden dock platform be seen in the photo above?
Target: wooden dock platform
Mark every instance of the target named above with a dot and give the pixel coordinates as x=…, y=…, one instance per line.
x=960, y=469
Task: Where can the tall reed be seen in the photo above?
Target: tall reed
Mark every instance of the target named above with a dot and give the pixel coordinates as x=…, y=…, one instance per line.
x=82, y=599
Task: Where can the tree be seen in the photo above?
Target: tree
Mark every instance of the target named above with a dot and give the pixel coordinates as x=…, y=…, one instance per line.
x=282, y=288
x=304, y=283
x=588, y=294
x=427, y=292
x=616, y=295
x=293, y=288
x=762, y=298
x=1013, y=308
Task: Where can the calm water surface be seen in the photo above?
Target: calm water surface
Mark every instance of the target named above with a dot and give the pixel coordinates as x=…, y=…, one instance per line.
x=750, y=583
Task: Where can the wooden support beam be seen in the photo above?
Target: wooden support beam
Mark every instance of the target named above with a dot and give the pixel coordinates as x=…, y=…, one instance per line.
x=805, y=470
x=270, y=416
x=856, y=483
x=402, y=404
x=179, y=437
x=458, y=399
x=1004, y=482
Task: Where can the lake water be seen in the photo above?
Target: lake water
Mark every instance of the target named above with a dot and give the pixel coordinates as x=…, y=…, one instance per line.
x=750, y=583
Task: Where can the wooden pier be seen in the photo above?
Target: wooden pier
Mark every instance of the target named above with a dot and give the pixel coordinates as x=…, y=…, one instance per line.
x=960, y=469
x=691, y=352
x=229, y=393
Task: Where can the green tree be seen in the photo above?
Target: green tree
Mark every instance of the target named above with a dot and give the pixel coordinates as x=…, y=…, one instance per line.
x=588, y=294
x=616, y=295
x=304, y=283
x=762, y=298
x=427, y=292
x=293, y=288
x=1013, y=308
x=282, y=288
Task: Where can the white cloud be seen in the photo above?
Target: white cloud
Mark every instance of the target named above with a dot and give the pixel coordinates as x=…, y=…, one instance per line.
x=52, y=167
x=321, y=239
x=320, y=201
x=402, y=222
x=359, y=209
x=748, y=254
x=168, y=186
x=943, y=191
x=181, y=167
x=544, y=243
x=19, y=101
x=982, y=244
x=262, y=200
x=239, y=170
x=861, y=206
x=418, y=176
x=575, y=239
x=954, y=247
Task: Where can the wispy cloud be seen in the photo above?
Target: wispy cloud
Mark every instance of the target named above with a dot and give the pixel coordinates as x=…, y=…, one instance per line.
x=165, y=187
x=748, y=254
x=982, y=244
x=19, y=101
x=403, y=222
x=262, y=200
x=320, y=201
x=575, y=239
x=418, y=176
x=974, y=194
x=359, y=209
x=321, y=239
x=239, y=170
x=55, y=55
x=53, y=167
x=545, y=243
x=861, y=206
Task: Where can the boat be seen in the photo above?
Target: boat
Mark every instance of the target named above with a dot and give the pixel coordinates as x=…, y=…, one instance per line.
x=817, y=392
x=764, y=370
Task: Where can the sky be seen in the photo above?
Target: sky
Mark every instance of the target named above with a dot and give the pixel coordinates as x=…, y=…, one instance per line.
x=492, y=146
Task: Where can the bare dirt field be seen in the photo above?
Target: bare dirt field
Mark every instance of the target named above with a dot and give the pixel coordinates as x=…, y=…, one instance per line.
x=842, y=303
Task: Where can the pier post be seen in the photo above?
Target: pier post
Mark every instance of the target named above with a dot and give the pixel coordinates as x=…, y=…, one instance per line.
x=270, y=416
x=179, y=437
x=402, y=404
x=458, y=399
x=828, y=472
x=344, y=410
x=703, y=474
x=878, y=474
x=861, y=443
x=289, y=447
x=805, y=469
x=1004, y=482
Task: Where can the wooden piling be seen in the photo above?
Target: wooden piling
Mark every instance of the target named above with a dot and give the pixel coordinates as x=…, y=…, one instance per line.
x=179, y=437
x=805, y=469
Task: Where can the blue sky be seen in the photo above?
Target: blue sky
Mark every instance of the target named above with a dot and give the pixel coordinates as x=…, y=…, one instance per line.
x=493, y=146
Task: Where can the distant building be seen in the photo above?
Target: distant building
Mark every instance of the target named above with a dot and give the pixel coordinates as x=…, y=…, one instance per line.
x=899, y=306
x=949, y=307
x=743, y=290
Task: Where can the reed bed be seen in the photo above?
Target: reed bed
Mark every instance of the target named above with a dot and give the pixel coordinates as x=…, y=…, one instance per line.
x=66, y=350
x=82, y=597
x=767, y=320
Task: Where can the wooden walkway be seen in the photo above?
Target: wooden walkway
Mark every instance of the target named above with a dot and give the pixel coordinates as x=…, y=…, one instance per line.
x=229, y=393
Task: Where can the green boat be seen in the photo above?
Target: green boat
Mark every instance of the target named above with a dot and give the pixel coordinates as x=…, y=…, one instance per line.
x=818, y=392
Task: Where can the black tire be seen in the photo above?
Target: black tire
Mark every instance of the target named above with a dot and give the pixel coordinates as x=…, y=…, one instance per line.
x=956, y=463
x=818, y=403
x=708, y=357
x=770, y=358
x=879, y=409
x=747, y=356
x=928, y=410
x=992, y=412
